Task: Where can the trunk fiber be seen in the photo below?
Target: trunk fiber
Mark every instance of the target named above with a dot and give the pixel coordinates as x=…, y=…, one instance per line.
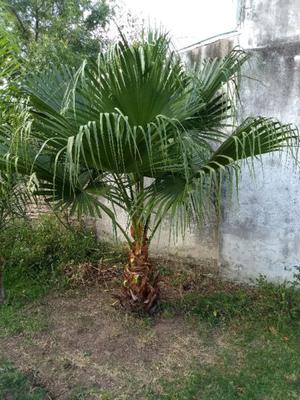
x=140, y=280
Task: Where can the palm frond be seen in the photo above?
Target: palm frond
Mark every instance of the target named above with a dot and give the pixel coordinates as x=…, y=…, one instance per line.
x=141, y=130
x=254, y=137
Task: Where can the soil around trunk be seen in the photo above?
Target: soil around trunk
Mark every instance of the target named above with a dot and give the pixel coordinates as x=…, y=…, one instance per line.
x=87, y=342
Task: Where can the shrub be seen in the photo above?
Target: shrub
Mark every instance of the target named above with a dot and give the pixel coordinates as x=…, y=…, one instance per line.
x=46, y=244
x=36, y=253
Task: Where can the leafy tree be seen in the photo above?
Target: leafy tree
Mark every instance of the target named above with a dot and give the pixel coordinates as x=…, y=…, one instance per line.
x=57, y=31
x=13, y=196
x=138, y=130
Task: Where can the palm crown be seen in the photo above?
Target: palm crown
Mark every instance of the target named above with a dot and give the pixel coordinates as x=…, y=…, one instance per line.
x=139, y=112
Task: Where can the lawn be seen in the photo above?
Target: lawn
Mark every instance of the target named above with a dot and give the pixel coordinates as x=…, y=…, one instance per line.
x=214, y=340
x=77, y=344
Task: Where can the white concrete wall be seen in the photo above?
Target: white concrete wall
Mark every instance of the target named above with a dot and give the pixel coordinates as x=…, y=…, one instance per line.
x=261, y=234
x=264, y=22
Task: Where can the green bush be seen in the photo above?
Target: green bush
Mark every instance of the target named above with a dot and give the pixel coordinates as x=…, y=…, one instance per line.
x=35, y=254
x=46, y=244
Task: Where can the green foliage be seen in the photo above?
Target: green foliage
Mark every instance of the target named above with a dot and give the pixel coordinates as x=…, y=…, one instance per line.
x=52, y=31
x=16, y=386
x=36, y=253
x=282, y=299
x=13, y=192
x=9, y=66
x=138, y=112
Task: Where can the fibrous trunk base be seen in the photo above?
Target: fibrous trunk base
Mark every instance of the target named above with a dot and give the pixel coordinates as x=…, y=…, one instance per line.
x=140, y=285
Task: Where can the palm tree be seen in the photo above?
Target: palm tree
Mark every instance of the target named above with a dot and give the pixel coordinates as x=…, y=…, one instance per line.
x=138, y=130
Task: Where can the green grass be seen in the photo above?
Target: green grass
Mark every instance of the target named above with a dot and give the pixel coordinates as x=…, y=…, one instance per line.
x=16, y=386
x=260, y=362
x=23, y=289
x=224, y=303
x=260, y=359
x=13, y=321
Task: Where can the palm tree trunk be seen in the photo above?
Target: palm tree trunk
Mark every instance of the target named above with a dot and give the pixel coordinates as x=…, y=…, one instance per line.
x=140, y=278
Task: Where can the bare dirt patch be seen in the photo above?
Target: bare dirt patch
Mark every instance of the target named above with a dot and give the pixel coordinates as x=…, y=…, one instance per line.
x=88, y=343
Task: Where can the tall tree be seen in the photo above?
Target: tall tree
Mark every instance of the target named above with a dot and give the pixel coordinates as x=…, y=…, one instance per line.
x=57, y=31
x=148, y=134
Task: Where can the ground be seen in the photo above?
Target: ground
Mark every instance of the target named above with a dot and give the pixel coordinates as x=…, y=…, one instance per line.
x=79, y=345
x=87, y=343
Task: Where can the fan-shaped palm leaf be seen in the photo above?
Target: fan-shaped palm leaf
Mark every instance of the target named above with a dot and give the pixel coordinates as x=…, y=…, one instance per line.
x=141, y=129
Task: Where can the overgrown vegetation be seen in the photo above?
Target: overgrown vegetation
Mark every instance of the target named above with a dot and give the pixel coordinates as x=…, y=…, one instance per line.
x=37, y=256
